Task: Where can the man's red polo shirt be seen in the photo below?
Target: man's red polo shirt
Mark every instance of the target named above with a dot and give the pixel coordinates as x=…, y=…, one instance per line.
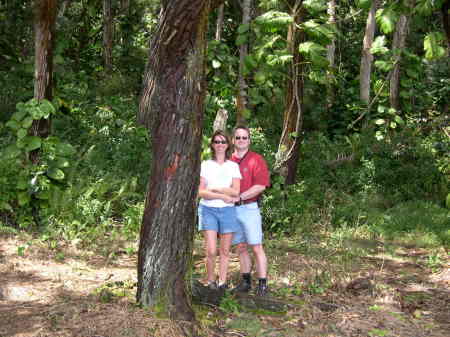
x=254, y=171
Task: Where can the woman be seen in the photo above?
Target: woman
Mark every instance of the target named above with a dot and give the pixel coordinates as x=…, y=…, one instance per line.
x=219, y=189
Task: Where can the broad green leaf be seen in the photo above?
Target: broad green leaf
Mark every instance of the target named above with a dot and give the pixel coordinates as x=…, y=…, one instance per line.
x=11, y=151
x=379, y=45
x=23, y=198
x=216, y=64
x=393, y=125
x=260, y=77
x=22, y=184
x=55, y=173
x=315, y=6
x=319, y=30
x=5, y=205
x=32, y=143
x=241, y=39
x=47, y=108
x=12, y=124
x=18, y=115
x=383, y=65
x=364, y=4
x=386, y=19
x=380, y=121
x=274, y=18
x=27, y=122
x=379, y=135
x=64, y=149
x=43, y=195
x=250, y=62
x=243, y=28
x=62, y=162
x=21, y=133
x=431, y=44
x=399, y=120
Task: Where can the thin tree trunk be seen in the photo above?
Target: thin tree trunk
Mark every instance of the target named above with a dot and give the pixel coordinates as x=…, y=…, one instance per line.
x=172, y=105
x=331, y=56
x=446, y=20
x=107, y=36
x=289, y=147
x=44, y=26
x=367, y=57
x=242, y=95
x=219, y=22
x=398, y=45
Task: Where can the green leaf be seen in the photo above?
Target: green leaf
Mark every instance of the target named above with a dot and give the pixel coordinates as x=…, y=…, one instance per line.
x=43, y=195
x=32, y=143
x=274, y=18
x=12, y=124
x=216, y=64
x=19, y=114
x=383, y=65
x=243, y=28
x=27, y=122
x=62, y=162
x=380, y=121
x=386, y=19
x=379, y=45
x=432, y=47
x=55, y=173
x=5, y=205
x=241, y=39
x=399, y=120
x=260, y=77
x=250, y=62
x=64, y=149
x=315, y=6
x=21, y=133
x=22, y=184
x=23, y=198
x=47, y=108
x=11, y=151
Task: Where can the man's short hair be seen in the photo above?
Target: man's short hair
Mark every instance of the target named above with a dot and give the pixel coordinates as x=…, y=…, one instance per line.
x=242, y=127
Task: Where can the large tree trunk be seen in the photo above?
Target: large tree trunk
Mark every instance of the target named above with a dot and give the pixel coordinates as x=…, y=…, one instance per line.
x=367, y=57
x=172, y=105
x=242, y=95
x=398, y=45
x=107, y=36
x=331, y=56
x=289, y=147
x=219, y=22
x=44, y=25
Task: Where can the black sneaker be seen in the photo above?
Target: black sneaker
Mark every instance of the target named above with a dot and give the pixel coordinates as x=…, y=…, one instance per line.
x=242, y=287
x=262, y=290
x=212, y=285
x=223, y=286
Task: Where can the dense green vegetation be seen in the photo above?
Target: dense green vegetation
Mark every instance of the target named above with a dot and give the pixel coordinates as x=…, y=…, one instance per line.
x=363, y=165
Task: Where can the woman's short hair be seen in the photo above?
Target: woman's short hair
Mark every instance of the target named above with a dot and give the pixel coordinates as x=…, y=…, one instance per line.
x=227, y=138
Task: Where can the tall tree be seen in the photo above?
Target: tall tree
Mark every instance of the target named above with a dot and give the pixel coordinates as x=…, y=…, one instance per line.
x=366, y=55
x=289, y=146
x=242, y=95
x=219, y=22
x=172, y=105
x=398, y=45
x=44, y=26
x=107, y=36
x=445, y=10
x=331, y=56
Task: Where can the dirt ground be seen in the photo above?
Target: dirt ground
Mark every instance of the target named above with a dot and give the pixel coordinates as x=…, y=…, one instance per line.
x=71, y=292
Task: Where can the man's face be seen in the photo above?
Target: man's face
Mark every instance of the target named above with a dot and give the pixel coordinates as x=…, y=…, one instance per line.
x=241, y=140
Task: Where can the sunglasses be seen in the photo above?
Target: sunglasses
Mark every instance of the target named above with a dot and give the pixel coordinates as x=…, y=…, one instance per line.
x=220, y=142
x=239, y=138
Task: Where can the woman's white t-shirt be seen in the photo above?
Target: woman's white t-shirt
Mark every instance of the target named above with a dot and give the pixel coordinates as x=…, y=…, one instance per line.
x=218, y=176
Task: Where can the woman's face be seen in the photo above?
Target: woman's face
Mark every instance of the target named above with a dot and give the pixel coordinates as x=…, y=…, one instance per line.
x=220, y=144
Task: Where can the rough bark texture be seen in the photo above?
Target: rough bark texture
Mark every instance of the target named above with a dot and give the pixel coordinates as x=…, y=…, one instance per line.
x=44, y=24
x=398, y=44
x=107, y=35
x=172, y=105
x=242, y=96
x=289, y=147
x=367, y=57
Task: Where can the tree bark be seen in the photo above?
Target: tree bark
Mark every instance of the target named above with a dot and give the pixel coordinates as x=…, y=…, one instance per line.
x=367, y=57
x=44, y=26
x=172, y=105
x=446, y=20
x=289, y=147
x=398, y=44
x=107, y=36
x=242, y=95
x=219, y=22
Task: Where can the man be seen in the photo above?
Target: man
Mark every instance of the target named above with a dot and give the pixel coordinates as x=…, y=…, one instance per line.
x=255, y=179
